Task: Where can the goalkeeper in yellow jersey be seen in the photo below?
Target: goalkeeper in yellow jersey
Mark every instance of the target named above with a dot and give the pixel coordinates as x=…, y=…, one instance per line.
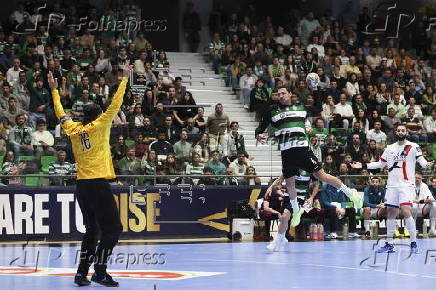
x=91, y=148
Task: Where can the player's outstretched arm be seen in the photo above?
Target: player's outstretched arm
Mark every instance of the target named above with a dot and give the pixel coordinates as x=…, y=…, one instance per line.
x=67, y=124
x=117, y=100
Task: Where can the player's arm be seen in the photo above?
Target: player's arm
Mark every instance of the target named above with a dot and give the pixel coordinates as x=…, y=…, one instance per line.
x=114, y=107
x=268, y=209
x=276, y=182
x=265, y=121
x=67, y=124
x=421, y=160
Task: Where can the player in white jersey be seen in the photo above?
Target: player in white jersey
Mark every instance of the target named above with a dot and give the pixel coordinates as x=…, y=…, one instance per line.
x=400, y=158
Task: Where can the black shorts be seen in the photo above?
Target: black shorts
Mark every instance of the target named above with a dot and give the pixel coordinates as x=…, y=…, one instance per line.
x=294, y=159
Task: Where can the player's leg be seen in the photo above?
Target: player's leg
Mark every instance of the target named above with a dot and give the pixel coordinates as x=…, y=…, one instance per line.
x=392, y=210
x=432, y=214
x=366, y=219
x=338, y=184
x=89, y=239
x=109, y=222
x=277, y=244
x=290, y=169
x=406, y=210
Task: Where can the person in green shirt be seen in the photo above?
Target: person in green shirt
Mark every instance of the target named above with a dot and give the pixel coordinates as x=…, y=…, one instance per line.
x=183, y=148
x=319, y=131
x=215, y=164
x=400, y=109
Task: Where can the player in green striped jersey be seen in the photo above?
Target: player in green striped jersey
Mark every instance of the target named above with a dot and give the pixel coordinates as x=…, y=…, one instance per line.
x=288, y=120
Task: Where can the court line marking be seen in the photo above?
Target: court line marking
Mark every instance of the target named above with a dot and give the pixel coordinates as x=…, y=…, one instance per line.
x=316, y=265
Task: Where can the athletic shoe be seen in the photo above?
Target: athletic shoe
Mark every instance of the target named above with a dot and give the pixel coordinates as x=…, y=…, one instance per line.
x=388, y=248
x=276, y=245
x=397, y=234
x=81, y=280
x=246, y=107
x=355, y=198
x=105, y=280
x=296, y=217
x=406, y=233
x=331, y=236
x=414, y=248
x=271, y=245
x=353, y=235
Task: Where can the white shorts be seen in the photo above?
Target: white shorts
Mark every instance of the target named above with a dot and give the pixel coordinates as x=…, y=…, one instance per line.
x=375, y=212
x=399, y=196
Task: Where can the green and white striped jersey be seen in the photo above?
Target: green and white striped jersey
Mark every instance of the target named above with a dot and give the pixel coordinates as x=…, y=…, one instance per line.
x=288, y=124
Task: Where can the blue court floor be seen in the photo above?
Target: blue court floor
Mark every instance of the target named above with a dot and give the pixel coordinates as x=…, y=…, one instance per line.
x=308, y=265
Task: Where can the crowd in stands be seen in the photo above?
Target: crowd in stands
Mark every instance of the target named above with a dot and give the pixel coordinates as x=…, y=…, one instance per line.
x=148, y=138
x=367, y=83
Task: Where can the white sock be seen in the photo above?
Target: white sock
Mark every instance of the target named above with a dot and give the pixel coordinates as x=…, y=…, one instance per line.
x=345, y=189
x=390, y=229
x=433, y=224
x=366, y=224
x=411, y=227
x=295, y=206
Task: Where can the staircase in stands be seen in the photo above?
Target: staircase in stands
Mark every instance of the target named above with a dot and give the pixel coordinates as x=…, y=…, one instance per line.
x=209, y=89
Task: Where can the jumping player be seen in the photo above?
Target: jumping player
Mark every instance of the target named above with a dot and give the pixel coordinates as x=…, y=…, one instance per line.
x=288, y=120
x=400, y=158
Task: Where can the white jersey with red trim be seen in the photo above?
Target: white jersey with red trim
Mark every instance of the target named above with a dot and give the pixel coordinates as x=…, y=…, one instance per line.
x=401, y=163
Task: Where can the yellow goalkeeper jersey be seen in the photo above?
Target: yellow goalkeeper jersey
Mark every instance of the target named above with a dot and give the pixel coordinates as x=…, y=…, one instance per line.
x=90, y=142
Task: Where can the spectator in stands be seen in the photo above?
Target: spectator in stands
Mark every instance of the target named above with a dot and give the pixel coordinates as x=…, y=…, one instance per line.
x=328, y=110
x=182, y=178
x=400, y=109
x=356, y=149
x=202, y=147
x=149, y=163
x=39, y=101
x=13, y=72
x=129, y=165
x=42, y=140
x=250, y=177
x=233, y=143
x=414, y=127
x=79, y=104
x=61, y=167
x=373, y=151
x=275, y=71
x=246, y=83
x=139, y=146
x=240, y=164
x=373, y=202
x=11, y=167
x=199, y=120
x=12, y=111
x=377, y=135
x=430, y=126
x=161, y=146
x=208, y=178
x=331, y=147
x=216, y=49
x=182, y=148
x=229, y=179
x=215, y=164
x=217, y=125
x=306, y=26
x=345, y=111
x=119, y=150
x=389, y=122
x=172, y=131
x=424, y=203
x=417, y=108
x=235, y=71
x=332, y=200
x=158, y=116
x=20, y=137
x=352, y=86
x=5, y=95
x=21, y=92
x=136, y=120
x=170, y=164
x=195, y=167
x=429, y=98
x=320, y=131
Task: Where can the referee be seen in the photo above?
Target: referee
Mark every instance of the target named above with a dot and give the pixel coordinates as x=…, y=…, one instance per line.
x=90, y=142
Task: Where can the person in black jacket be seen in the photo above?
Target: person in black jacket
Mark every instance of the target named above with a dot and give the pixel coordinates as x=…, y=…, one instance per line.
x=259, y=98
